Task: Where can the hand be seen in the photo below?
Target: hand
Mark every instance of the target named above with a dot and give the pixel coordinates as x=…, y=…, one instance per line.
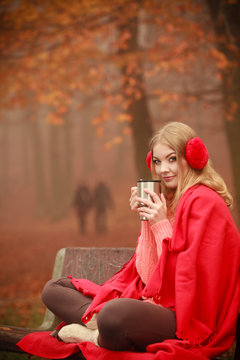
x=133, y=199
x=154, y=209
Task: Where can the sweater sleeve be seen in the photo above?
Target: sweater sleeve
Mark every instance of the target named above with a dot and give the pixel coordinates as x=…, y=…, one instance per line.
x=146, y=252
x=149, y=247
x=161, y=230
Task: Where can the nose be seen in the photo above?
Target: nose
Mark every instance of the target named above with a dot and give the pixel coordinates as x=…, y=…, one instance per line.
x=162, y=168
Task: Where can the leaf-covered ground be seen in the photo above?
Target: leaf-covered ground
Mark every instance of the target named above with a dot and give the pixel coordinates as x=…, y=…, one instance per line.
x=28, y=253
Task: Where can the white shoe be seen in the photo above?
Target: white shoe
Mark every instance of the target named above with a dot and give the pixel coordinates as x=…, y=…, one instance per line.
x=76, y=333
x=92, y=324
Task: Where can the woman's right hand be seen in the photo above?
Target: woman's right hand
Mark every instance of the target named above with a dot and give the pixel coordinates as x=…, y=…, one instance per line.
x=132, y=201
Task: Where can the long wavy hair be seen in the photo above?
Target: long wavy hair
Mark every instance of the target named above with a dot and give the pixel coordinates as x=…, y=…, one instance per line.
x=176, y=135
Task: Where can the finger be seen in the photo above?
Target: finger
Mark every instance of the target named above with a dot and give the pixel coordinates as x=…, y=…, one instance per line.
x=148, y=203
x=133, y=204
x=133, y=192
x=155, y=197
x=144, y=213
x=143, y=201
x=134, y=208
x=162, y=197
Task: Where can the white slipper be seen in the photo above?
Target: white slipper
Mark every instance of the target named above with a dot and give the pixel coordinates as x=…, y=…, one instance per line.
x=92, y=324
x=76, y=333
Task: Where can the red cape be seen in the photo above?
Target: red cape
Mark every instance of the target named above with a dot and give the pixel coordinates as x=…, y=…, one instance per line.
x=197, y=276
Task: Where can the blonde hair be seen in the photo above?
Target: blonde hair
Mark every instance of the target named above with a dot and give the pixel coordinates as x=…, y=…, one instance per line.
x=176, y=135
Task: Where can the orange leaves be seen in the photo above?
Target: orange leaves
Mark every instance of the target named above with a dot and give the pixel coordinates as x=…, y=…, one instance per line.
x=132, y=81
x=55, y=98
x=25, y=12
x=103, y=117
x=124, y=38
x=124, y=118
x=127, y=130
x=165, y=97
x=97, y=121
x=62, y=109
x=67, y=55
x=129, y=90
x=181, y=48
x=100, y=120
x=221, y=60
x=232, y=109
x=132, y=84
x=93, y=72
x=164, y=40
x=115, y=141
x=55, y=119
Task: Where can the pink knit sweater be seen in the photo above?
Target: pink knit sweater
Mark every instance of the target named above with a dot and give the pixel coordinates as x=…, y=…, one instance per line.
x=149, y=247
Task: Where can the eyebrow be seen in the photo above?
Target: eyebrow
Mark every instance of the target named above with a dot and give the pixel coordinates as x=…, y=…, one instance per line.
x=168, y=155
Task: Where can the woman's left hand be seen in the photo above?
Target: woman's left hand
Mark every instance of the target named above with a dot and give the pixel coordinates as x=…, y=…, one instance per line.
x=154, y=209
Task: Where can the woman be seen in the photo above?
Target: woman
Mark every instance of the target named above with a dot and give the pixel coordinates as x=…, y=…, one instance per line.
x=178, y=297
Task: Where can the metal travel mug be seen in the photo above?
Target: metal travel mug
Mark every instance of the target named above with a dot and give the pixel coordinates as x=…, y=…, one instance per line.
x=152, y=185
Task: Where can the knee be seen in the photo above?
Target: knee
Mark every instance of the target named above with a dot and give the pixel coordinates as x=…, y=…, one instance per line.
x=111, y=325
x=109, y=316
x=47, y=292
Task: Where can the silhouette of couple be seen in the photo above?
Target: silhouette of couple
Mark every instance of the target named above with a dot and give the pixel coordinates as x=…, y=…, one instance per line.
x=100, y=200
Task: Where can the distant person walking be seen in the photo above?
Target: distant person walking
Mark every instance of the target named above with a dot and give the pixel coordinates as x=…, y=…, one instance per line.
x=82, y=203
x=102, y=202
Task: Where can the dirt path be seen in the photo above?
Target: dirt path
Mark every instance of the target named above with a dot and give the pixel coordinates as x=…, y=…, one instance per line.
x=27, y=253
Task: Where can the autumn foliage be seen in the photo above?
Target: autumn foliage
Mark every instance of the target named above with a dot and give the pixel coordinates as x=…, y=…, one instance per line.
x=63, y=55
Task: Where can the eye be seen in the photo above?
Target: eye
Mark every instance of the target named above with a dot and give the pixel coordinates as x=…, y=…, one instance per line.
x=172, y=158
x=155, y=161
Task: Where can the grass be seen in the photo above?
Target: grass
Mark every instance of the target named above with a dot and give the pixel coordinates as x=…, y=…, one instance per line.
x=26, y=312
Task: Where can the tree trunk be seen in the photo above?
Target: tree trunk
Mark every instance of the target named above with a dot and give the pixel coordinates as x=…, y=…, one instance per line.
x=61, y=169
x=226, y=20
x=138, y=107
x=57, y=173
x=68, y=165
x=86, y=144
x=5, y=162
x=38, y=167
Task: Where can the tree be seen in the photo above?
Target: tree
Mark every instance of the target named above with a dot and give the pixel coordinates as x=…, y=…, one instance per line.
x=68, y=54
x=134, y=93
x=226, y=19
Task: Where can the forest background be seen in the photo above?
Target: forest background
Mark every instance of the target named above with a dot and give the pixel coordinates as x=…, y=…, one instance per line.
x=84, y=84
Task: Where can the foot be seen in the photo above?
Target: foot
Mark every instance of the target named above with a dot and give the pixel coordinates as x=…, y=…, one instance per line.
x=76, y=333
x=92, y=324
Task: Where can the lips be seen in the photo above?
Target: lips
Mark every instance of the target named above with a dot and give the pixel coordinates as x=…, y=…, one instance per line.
x=168, y=178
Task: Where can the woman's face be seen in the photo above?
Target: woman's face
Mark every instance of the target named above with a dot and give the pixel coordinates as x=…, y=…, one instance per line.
x=166, y=165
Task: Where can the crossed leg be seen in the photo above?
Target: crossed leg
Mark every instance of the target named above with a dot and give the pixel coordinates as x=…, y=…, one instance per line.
x=123, y=324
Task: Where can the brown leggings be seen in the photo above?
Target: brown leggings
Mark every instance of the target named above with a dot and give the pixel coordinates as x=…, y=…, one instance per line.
x=123, y=324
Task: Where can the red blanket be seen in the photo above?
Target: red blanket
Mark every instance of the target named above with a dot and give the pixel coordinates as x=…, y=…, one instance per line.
x=197, y=276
